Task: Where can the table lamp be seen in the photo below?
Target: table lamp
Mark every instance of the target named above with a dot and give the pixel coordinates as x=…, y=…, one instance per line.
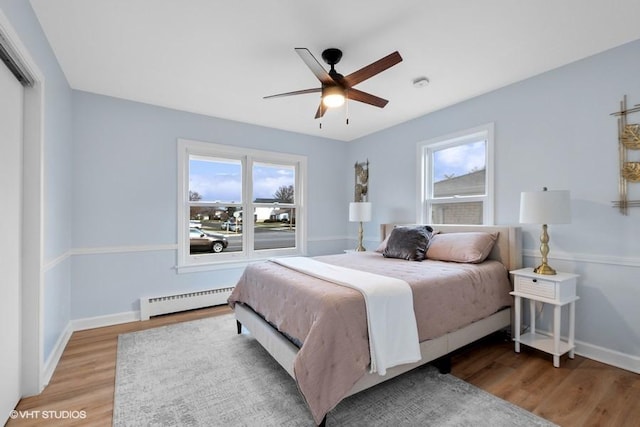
x=360, y=212
x=545, y=207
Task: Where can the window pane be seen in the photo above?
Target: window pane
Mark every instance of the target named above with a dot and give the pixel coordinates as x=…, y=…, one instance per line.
x=273, y=183
x=457, y=213
x=217, y=223
x=460, y=170
x=275, y=228
x=215, y=180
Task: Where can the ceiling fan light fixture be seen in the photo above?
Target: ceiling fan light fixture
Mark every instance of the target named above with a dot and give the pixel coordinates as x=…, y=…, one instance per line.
x=333, y=96
x=336, y=88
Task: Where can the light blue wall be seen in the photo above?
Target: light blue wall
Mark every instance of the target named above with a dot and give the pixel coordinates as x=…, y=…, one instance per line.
x=56, y=173
x=125, y=195
x=552, y=130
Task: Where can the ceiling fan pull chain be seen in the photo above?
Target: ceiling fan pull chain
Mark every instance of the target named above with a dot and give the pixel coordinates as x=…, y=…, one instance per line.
x=346, y=105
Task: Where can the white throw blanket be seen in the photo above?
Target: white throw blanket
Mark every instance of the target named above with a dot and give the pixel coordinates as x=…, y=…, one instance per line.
x=391, y=321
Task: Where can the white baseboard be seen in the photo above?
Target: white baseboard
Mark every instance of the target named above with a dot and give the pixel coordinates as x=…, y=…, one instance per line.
x=610, y=357
x=80, y=325
x=53, y=359
x=107, y=320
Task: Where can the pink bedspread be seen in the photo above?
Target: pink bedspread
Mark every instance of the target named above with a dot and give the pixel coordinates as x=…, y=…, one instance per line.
x=330, y=320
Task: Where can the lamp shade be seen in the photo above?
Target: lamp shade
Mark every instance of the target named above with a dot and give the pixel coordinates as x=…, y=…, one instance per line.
x=360, y=211
x=545, y=207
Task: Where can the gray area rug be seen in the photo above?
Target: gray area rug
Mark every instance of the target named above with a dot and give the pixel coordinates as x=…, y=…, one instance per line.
x=201, y=373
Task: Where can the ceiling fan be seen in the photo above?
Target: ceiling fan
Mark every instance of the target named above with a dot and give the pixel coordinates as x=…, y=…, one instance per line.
x=336, y=87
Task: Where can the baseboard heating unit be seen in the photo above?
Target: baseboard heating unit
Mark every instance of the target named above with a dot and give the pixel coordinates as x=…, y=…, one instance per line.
x=182, y=302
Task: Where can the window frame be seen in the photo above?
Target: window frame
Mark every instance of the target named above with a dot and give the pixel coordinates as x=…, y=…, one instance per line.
x=247, y=156
x=425, y=150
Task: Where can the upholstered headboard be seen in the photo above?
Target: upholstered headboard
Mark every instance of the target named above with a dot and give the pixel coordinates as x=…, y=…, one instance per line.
x=508, y=247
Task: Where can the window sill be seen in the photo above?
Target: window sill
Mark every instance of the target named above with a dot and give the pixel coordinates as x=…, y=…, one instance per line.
x=225, y=265
x=213, y=266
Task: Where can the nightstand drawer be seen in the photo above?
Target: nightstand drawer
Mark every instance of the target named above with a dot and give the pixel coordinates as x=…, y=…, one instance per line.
x=531, y=286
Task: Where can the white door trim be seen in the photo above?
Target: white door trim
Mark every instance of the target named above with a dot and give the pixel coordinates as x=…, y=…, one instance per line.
x=33, y=218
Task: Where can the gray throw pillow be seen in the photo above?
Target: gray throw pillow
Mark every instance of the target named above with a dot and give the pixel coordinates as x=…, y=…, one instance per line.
x=410, y=243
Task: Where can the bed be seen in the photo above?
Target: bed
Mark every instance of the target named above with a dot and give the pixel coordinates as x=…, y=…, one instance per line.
x=317, y=330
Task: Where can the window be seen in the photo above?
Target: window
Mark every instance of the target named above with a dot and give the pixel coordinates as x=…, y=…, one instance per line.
x=456, y=184
x=238, y=204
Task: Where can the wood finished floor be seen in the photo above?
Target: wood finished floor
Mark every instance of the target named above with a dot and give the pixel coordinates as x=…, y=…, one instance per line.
x=581, y=392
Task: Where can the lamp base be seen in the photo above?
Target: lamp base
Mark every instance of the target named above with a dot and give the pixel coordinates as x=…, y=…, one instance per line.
x=544, y=251
x=544, y=269
x=360, y=248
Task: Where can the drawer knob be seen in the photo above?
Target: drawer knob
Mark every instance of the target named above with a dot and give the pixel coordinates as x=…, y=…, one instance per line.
x=535, y=280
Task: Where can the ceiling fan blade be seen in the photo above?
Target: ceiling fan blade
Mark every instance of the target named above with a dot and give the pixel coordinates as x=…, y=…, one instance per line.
x=367, y=98
x=321, y=110
x=295, y=92
x=316, y=68
x=372, y=69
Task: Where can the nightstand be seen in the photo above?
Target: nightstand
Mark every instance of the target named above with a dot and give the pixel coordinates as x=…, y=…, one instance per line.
x=558, y=290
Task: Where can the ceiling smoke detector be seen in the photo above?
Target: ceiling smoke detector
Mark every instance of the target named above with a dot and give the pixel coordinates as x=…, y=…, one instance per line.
x=420, y=82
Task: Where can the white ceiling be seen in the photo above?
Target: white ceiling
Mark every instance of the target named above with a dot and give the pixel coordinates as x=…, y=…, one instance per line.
x=219, y=58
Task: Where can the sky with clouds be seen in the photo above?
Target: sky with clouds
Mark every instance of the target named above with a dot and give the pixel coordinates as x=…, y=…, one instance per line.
x=221, y=180
x=458, y=160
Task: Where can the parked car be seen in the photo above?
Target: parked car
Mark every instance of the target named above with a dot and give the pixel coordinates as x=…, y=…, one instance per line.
x=206, y=242
x=230, y=225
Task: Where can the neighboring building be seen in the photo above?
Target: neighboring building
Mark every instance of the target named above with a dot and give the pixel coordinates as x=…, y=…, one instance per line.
x=464, y=185
x=470, y=184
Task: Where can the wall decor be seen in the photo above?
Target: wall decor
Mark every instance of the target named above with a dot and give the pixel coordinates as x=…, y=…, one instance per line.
x=362, y=181
x=629, y=153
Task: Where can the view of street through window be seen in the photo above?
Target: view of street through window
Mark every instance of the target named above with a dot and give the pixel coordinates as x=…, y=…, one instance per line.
x=267, y=234
x=220, y=199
